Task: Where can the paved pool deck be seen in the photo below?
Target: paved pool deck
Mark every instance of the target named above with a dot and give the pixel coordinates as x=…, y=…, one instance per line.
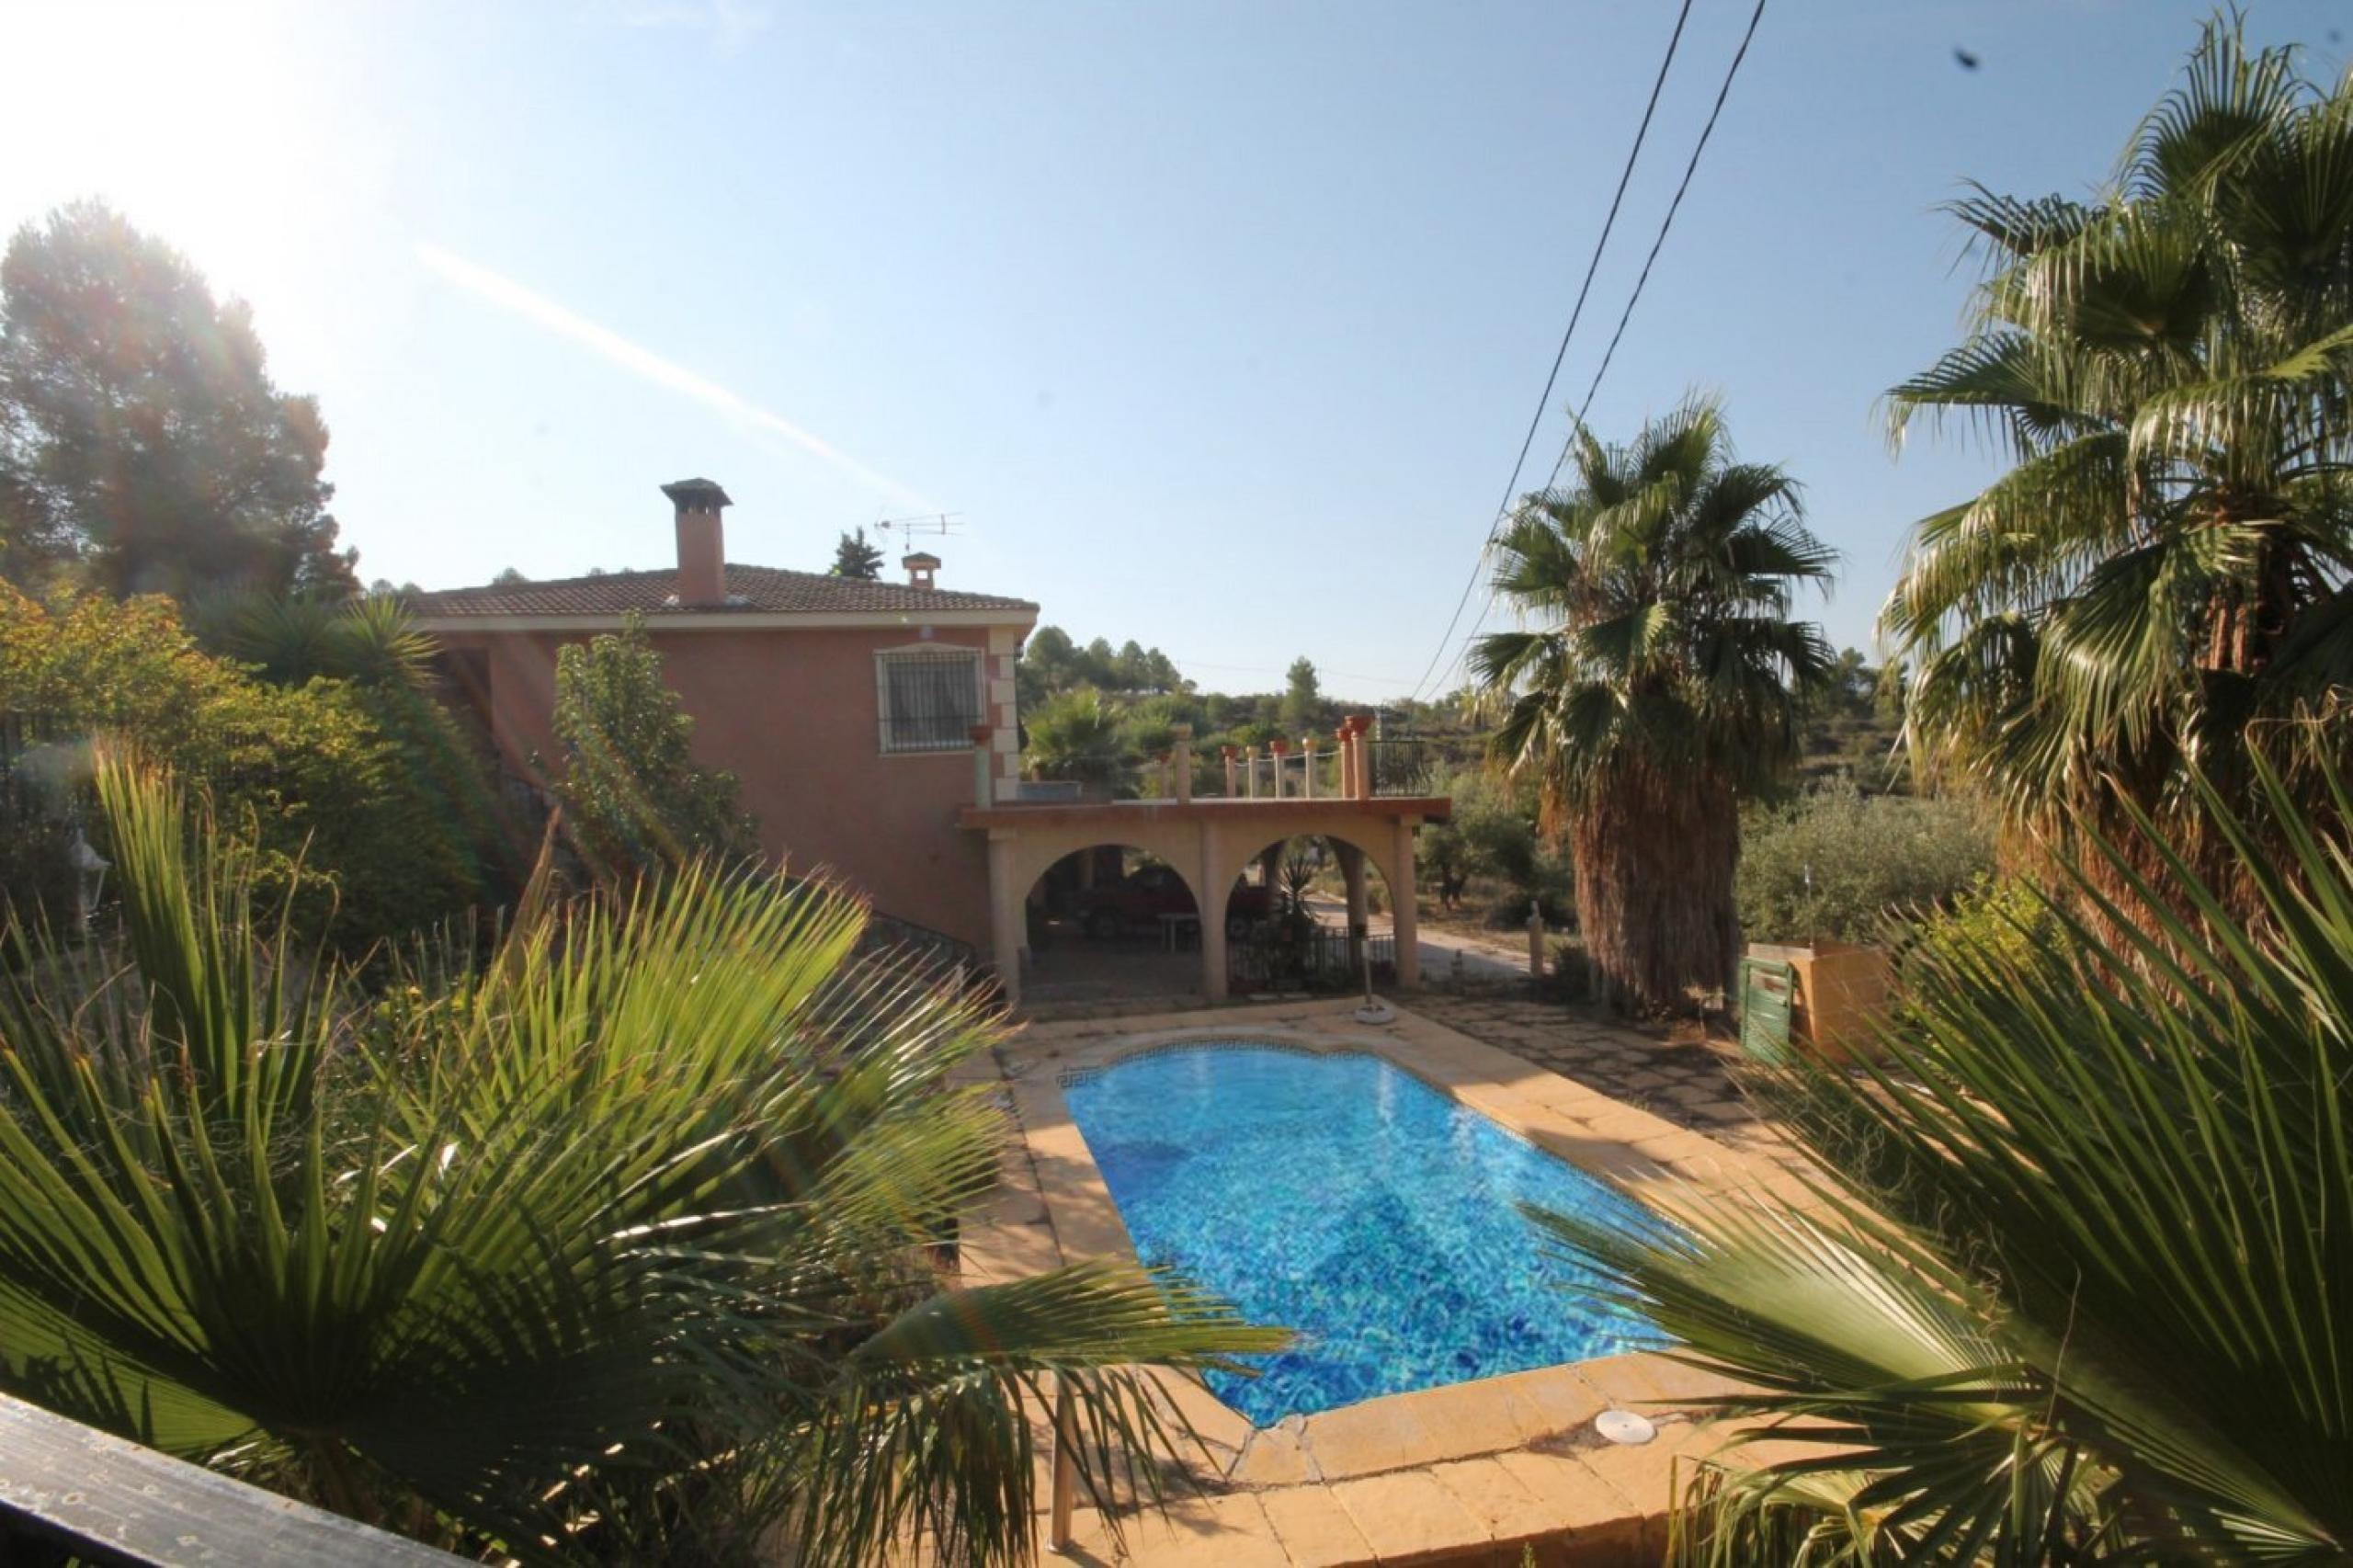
x=1482, y=1471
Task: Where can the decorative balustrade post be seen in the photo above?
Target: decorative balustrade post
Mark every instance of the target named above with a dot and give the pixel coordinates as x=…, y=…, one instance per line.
x=1227, y=753
x=983, y=760
x=1250, y=761
x=1183, y=733
x=1282, y=750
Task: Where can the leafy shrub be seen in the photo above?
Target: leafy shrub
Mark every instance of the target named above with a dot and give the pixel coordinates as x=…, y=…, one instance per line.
x=1837, y=863
x=313, y=780
x=2003, y=917
x=1492, y=835
x=638, y=800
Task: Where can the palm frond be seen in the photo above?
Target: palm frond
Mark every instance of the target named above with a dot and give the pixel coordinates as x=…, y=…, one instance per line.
x=619, y=1236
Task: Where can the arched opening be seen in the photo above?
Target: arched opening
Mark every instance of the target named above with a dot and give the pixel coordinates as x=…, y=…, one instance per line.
x=1111, y=921
x=1310, y=913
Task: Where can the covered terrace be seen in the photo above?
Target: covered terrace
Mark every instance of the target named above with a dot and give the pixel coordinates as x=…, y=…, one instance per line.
x=1211, y=840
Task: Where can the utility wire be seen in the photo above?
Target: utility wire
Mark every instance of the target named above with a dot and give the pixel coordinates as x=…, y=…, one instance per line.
x=1536, y=420
x=1627, y=315
x=1668, y=223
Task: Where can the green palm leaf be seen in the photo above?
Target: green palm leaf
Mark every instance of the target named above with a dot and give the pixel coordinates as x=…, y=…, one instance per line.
x=605, y=1249
x=2077, y=1289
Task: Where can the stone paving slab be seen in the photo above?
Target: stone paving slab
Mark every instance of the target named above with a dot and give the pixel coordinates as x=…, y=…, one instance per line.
x=1472, y=1472
x=1686, y=1082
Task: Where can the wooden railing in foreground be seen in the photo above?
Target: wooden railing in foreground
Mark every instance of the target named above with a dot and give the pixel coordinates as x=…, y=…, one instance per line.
x=70, y=1492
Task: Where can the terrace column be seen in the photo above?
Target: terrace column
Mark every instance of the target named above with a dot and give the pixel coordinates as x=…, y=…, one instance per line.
x=1184, y=737
x=1358, y=724
x=1346, y=759
x=1250, y=761
x=1227, y=753
x=1209, y=879
x=1282, y=750
x=982, y=758
x=1307, y=765
x=1005, y=914
x=1351, y=860
x=1405, y=919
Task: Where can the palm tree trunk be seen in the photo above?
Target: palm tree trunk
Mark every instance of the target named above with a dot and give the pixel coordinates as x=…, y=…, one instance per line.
x=1655, y=864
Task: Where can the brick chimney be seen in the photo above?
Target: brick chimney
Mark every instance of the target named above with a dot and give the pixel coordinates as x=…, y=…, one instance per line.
x=702, y=547
x=921, y=569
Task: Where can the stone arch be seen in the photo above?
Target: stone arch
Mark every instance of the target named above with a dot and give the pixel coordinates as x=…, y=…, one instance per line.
x=1378, y=847
x=1077, y=945
x=1036, y=853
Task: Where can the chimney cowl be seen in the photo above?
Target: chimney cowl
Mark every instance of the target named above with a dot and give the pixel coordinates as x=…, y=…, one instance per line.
x=923, y=569
x=702, y=546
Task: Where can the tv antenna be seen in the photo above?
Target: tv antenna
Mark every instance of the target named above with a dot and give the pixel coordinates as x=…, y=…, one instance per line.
x=947, y=525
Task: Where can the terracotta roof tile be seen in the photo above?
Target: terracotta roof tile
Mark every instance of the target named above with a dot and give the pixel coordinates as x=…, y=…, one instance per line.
x=750, y=589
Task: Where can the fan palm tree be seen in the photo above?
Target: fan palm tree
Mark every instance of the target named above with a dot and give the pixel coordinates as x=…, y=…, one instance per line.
x=372, y=642
x=2164, y=368
x=619, y=1246
x=1077, y=736
x=1662, y=682
x=2076, y=1290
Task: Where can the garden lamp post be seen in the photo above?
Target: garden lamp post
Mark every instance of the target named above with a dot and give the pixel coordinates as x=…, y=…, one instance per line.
x=90, y=869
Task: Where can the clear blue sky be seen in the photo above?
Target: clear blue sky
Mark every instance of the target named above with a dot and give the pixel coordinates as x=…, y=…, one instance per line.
x=1218, y=323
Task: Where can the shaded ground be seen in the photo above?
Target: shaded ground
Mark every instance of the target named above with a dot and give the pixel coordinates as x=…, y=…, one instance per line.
x=1072, y=974
x=1687, y=1082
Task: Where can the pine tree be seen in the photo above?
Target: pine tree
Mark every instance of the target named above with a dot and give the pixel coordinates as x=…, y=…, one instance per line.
x=855, y=558
x=1303, y=698
x=143, y=447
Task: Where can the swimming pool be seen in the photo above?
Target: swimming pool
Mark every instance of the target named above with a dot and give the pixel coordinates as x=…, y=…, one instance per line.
x=1349, y=1201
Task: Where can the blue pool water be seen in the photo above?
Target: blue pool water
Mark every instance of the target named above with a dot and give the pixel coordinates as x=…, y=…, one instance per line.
x=1350, y=1203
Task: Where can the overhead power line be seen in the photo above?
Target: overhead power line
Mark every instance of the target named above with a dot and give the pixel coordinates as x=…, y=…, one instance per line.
x=1561, y=354
x=1666, y=224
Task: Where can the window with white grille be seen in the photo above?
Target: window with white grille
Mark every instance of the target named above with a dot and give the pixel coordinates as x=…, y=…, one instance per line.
x=929, y=699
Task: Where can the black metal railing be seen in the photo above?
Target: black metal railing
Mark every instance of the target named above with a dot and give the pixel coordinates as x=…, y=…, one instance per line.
x=1401, y=767
x=73, y=1494
x=1321, y=959
x=930, y=700
x=944, y=959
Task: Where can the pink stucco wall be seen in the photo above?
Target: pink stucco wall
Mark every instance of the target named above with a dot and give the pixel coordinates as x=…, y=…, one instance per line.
x=792, y=714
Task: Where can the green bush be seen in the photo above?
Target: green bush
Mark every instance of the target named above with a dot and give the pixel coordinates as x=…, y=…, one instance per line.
x=638, y=800
x=1491, y=835
x=2003, y=917
x=320, y=781
x=1839, y=864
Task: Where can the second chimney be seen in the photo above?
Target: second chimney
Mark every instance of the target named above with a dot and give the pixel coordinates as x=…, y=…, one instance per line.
x=922, y=569
x=702, y=546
